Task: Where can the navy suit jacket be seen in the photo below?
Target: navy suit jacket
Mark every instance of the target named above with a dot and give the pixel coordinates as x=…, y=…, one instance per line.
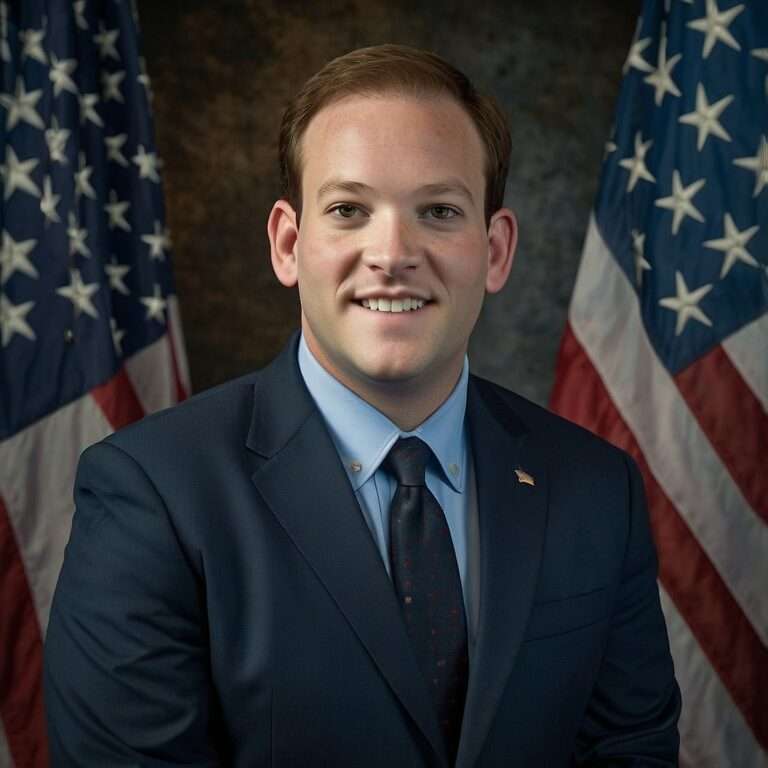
x=222, y=601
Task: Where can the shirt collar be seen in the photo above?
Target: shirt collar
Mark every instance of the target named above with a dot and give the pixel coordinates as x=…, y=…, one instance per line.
x=363, y=435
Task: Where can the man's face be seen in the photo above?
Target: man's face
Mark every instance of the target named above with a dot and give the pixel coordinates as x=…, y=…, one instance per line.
x=392, y=255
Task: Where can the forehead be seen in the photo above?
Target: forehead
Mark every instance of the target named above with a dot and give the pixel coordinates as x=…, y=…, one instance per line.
x=392, y=138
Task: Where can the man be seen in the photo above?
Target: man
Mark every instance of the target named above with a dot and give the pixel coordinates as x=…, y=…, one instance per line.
x=362, y=555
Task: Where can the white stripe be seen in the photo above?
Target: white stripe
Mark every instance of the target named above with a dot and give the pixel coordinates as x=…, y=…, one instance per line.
x=748, y=351
x=605, y=318
x=151, y=373
x=713, y=732
x=5, y=751
x=37, y=470
x=179, y=347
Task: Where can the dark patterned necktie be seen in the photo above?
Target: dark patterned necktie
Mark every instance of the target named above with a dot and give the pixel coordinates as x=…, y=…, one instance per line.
x=427, y=583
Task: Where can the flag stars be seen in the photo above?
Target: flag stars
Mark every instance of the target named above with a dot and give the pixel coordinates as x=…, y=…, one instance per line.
x=79, y=8
x=77, y=237
x=12, y=319
x=758, y=164
x=114, y=148
x=636, y=165
x=80, y=294
x=16, y=174
x=733, y=245
x=158, y=243
x=661, y=77
x=14, y=257
x=117, y=336
x=143, y=78
x=116, y=274
x=88, y=102
x=685, y=303
x=155, y=305
x=106, y=39
x=110, y=85
x=83, y=179
x=61, y=75
x=680, y=201
x=56, y=138
x=635, y=58
x=706, y=117
x=32, y=45
x=147, y=163
x=641, y=264
x=21, y=107
x=715, y=26
x=116, y=210
x=48, y=202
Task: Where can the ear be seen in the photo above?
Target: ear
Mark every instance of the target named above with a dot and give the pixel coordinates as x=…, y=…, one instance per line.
x=283, y=232
x=502, y=241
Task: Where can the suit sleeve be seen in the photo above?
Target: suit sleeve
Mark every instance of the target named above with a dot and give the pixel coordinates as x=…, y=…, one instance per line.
x=631, y=719
x=126, y=661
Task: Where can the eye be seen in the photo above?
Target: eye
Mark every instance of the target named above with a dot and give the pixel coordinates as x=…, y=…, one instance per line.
x=442, y=212
x=344, y=210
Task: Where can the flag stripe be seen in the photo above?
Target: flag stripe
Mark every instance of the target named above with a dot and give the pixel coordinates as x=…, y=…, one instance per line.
x=118, y=401
x=745, y=348
x=605, y=317
x=709, y=709
x=151, y=373
x=180, y=363
x=5, y=750
x=708, y=383
x=21, y=657
x=46, y=485
x=722, y=630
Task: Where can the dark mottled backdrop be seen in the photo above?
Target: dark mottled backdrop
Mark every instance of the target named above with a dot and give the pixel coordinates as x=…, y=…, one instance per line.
x=222, y=72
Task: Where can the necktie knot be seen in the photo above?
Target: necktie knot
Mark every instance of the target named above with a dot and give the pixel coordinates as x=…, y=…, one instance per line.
x=407, y=461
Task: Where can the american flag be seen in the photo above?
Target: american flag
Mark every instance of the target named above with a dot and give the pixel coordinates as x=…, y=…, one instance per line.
x=666, y=348
x=90, y=337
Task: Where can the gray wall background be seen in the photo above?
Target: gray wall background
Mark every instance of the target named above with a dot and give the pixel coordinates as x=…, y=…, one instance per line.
x=222, y=73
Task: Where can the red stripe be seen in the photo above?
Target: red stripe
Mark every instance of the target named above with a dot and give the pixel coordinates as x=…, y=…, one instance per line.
x=181, y=391
x=699, y=593
x=118, y=400
x=21, y=657
x=733, y=420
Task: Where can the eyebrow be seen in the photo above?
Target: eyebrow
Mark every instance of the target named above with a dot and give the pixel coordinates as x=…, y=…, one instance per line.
x=449, y=186
x=342, y=185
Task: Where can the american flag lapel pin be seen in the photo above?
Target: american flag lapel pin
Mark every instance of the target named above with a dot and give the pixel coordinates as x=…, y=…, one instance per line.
x=524, y=478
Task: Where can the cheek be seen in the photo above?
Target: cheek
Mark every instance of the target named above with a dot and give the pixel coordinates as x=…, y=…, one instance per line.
x=467, y=268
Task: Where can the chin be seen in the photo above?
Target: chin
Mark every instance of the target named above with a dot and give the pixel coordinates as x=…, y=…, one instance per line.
x=387, y=370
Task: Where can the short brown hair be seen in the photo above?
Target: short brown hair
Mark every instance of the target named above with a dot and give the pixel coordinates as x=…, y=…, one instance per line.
x=394, y=69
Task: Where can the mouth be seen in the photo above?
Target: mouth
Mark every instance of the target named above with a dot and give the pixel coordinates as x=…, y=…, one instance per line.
x=407, y=304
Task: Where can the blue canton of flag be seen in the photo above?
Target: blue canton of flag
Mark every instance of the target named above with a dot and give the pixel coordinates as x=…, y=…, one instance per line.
x=85, y=251
x=684, y=191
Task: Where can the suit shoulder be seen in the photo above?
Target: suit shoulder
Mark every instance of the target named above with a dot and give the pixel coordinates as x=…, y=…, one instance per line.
x=223, y=409
x=561, y=435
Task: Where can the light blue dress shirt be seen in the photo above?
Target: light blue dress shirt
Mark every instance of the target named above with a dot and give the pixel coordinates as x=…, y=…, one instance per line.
x=363, y=437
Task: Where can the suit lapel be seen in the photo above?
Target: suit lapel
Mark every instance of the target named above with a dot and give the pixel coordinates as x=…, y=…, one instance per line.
x=512, y=526
x=303, y=482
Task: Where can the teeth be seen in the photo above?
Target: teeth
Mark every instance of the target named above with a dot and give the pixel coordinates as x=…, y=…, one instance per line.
x=393, y=305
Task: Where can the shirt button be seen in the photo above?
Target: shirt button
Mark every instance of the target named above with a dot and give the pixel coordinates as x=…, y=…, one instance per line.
x=453, y=469
x=355, y=466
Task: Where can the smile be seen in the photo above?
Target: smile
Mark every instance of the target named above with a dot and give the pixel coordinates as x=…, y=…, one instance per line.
x=393, y=305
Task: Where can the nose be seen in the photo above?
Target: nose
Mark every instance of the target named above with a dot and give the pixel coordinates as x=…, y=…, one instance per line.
x=393, y=247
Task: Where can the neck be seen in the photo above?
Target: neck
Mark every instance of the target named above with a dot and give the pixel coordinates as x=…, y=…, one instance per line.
x=408, y=402
x=405, y=404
